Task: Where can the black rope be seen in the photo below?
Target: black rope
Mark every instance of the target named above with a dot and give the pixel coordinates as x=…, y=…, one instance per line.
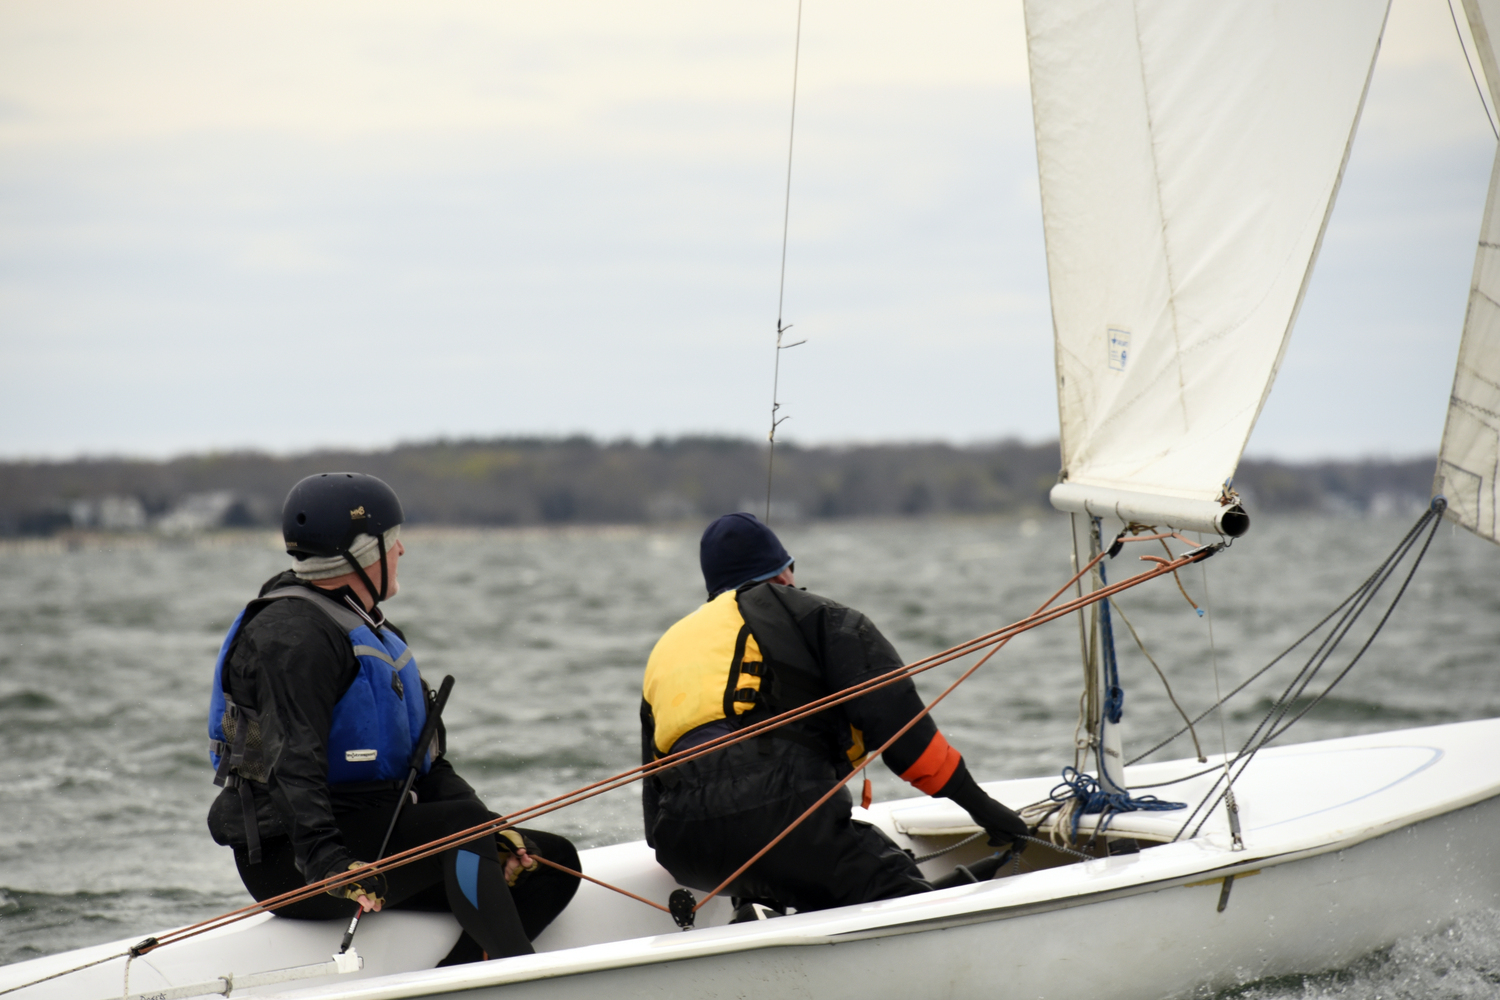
x=1275, y=723
x=77, y=968
x=949, y=849
x=1164, y=682
x=1379, y=625
x=1354, y=596
x=1365, y=597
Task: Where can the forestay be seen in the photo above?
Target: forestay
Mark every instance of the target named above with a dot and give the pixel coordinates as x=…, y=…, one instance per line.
x=1189, y=156
x=1469, y=459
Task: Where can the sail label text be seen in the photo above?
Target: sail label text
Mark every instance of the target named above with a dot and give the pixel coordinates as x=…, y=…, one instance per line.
x=1119, y=348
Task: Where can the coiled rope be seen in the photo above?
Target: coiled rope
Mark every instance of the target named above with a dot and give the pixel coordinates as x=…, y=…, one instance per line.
x=1085, y=795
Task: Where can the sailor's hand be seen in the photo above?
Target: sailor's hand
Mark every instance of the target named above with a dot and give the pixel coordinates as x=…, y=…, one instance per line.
x=369, y=891
x=517, y=852
x=1006, y=829
x=1004, y=826
x=515, y=864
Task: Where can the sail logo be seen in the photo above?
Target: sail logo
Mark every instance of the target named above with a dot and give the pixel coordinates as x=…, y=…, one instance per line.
x=1119, y=347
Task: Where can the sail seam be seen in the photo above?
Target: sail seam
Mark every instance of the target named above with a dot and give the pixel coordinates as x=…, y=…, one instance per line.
x=1472, y=406
x=1161, y=211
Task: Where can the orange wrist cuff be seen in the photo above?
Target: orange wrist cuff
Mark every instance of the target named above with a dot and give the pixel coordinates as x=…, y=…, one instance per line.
x=936, y=765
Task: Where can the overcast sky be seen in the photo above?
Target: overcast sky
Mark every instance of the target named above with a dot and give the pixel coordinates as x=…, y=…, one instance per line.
x=285, y=225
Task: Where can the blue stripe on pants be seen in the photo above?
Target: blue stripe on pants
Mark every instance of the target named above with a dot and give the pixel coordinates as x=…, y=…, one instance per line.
x=466, y=867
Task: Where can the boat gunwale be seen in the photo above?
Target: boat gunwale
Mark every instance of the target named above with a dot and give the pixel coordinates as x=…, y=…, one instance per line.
x=400, y=987
x=1204, y=858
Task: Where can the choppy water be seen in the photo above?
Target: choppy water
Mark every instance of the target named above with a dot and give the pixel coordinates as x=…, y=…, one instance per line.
x=105, y=657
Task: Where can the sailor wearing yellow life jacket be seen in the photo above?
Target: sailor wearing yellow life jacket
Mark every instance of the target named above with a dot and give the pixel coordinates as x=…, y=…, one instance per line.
x=760, y=647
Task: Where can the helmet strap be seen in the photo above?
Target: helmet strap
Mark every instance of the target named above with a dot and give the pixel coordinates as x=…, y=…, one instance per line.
x=375, y=596
x=384, y=581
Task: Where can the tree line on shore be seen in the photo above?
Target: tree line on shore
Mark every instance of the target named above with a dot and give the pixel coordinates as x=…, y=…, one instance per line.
x=578, y=480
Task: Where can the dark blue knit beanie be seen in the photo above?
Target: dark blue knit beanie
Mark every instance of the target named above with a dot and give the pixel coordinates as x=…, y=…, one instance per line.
x=737, y=549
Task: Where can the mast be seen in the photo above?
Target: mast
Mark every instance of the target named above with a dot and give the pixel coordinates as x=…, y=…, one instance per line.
x=1102, y=735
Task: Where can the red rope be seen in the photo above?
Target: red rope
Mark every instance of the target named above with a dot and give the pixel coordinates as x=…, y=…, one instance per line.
x=995, y=638
x=884, y=746
x=589, y=878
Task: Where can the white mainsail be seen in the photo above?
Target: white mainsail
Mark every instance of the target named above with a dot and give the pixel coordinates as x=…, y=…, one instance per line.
x=1469, y=459
x=1189, y=156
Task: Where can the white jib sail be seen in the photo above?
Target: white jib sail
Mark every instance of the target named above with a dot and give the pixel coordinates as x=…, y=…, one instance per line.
x=1189, y=154
x=1469, y=459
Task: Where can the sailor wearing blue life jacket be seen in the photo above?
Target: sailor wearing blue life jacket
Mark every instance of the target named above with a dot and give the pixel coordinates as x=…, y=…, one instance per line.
x=758, y=648
x=315, y=710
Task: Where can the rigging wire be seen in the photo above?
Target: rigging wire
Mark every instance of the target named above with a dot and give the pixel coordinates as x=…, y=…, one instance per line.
x=1249, y=680
x=66, y=972
x=1164, y=682
x=786, y=217
x=1233, y=809
x=1472, y=75
x=1324, y=649
x=996, y=638
x=1102, y=706
x=1275, y=723
x=872, y=755
x=1396, y=554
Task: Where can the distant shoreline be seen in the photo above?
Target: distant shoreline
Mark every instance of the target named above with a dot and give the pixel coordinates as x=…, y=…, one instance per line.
x=560, y=482
x=268, y=539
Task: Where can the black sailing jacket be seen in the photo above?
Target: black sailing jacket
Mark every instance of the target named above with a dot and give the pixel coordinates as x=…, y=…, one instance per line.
x=291, y=664
x=822, y=646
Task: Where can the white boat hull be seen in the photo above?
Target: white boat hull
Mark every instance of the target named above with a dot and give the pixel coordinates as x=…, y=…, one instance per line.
x=1350, y=845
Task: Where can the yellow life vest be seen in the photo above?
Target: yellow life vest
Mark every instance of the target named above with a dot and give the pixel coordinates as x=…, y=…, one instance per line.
x=706, y=667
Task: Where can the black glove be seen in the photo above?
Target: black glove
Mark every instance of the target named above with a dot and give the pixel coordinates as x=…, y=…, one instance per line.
x=372, y=885
x=1003, y=825
x=511, y=842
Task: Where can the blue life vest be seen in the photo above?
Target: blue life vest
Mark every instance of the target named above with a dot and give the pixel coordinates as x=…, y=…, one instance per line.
x=375, y=724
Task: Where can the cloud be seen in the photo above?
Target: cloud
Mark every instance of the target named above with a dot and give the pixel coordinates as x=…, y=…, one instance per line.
x=297, y=224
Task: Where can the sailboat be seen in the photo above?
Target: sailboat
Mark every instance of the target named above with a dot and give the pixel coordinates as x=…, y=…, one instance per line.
x=1189, y=158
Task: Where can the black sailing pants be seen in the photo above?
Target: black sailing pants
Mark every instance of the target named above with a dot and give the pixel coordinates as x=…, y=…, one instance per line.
x=713, y=814
x=468, y=881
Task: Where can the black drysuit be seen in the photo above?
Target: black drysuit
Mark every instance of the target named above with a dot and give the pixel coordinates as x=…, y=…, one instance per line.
x=707, y=817
x=291, y=663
